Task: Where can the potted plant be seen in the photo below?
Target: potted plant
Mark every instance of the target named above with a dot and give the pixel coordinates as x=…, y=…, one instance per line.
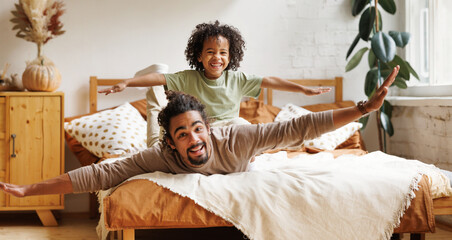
x=382, y=57
x=38, y=21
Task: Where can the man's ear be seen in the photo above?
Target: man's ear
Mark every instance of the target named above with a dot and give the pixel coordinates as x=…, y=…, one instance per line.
x=170, y=143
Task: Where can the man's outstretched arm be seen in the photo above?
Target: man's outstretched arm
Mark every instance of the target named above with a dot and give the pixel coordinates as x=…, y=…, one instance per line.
x=58, y=185
x=345, y=115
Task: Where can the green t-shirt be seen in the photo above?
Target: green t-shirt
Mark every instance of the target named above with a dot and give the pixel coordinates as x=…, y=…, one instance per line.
x=221, y=96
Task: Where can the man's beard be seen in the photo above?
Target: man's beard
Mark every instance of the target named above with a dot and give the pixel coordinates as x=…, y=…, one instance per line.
x=201, y=159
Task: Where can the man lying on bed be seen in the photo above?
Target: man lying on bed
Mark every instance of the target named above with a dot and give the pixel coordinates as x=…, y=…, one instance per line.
x=191, y=146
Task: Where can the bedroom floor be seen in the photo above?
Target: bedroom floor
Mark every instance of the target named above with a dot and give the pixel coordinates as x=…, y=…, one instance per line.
x=28, y=226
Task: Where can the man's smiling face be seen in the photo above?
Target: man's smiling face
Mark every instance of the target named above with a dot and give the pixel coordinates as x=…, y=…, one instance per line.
x=190, y=137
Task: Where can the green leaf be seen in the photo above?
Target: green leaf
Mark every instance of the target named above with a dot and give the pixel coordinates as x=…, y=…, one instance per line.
x=388, y=5
x=411, y=70
x=380, y=21
x=385, y=66
x=366, y=23
x=404, y=72
x=358, y=6
x=386, y=124
x=385, y=72
x=400, y=82
x=354, y=61
x=371, y=81
x=400, y=38
x=364, y=121
x=387, y=108
x=350, y=50
x=383, y=46
x=371, y=59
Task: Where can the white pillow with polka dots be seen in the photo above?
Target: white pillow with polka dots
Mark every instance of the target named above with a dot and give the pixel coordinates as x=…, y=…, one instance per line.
x=110, y=132
x=327, y=141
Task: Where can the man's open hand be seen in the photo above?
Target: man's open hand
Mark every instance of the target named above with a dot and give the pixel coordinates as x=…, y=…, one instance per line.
x=378, y=98
x=15, y=190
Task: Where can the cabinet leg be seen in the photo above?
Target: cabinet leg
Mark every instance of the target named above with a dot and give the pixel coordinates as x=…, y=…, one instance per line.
x=128, y=234
x=47, y=218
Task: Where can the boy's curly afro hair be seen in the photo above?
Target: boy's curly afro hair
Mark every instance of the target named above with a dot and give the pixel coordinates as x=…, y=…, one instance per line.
x=204, y=31
x=179, y=102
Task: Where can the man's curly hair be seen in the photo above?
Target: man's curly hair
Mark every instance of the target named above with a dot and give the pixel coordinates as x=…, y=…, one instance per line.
x=203, y=32
x=178, y=102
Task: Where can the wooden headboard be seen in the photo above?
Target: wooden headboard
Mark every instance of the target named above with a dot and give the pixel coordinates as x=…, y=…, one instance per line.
x=94, y=82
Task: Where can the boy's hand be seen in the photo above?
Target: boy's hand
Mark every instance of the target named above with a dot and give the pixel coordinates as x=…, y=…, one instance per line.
x=116, y=88
x=378, y=98
x=316, y=91
x=15, y=190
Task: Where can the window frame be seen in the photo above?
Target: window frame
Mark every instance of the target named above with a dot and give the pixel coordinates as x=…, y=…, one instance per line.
x=432, y=87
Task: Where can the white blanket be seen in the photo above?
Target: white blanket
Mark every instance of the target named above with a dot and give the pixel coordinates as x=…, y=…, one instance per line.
x=307, y=197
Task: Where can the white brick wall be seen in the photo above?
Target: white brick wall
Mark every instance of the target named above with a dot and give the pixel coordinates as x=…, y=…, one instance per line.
x=318, y=35
x=423, y=133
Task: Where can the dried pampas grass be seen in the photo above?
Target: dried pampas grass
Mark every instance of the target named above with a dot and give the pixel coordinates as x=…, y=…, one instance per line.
x=38, y=21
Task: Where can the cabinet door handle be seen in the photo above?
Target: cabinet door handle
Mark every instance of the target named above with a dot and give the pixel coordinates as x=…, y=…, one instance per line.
x=13, y=136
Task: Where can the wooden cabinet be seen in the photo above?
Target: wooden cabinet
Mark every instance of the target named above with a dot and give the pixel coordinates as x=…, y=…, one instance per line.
x=31, y=148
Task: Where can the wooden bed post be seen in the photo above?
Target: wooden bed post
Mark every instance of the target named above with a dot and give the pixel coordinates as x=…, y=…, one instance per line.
x=128, y=234
x=338, y=90
x=92, y=94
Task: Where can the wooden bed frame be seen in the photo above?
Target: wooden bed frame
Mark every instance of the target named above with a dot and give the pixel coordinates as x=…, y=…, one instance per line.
x=441, y=206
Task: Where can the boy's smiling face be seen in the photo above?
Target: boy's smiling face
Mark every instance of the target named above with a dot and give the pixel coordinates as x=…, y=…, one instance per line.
x=215, y=56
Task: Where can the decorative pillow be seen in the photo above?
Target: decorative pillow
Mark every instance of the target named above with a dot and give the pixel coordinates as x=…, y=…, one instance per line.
x=110, y=132
x=328, y=141
x=258, y=112
x=84, y=156
x=290, y=111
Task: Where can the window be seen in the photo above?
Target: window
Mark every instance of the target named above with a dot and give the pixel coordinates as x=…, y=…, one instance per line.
x=430, y=47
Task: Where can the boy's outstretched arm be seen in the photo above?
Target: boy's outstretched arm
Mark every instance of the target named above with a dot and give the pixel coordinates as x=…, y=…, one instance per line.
x=284, y=85
x=345, y=115
x=148, y=80
x=58, y=185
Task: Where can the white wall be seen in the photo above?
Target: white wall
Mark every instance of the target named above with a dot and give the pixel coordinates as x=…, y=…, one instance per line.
x=116, y=38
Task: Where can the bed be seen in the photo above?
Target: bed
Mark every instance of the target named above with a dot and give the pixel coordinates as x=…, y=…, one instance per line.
x=170, y=210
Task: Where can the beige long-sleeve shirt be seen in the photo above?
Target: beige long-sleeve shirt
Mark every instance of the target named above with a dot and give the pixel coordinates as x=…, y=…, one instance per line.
x=231, y=150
